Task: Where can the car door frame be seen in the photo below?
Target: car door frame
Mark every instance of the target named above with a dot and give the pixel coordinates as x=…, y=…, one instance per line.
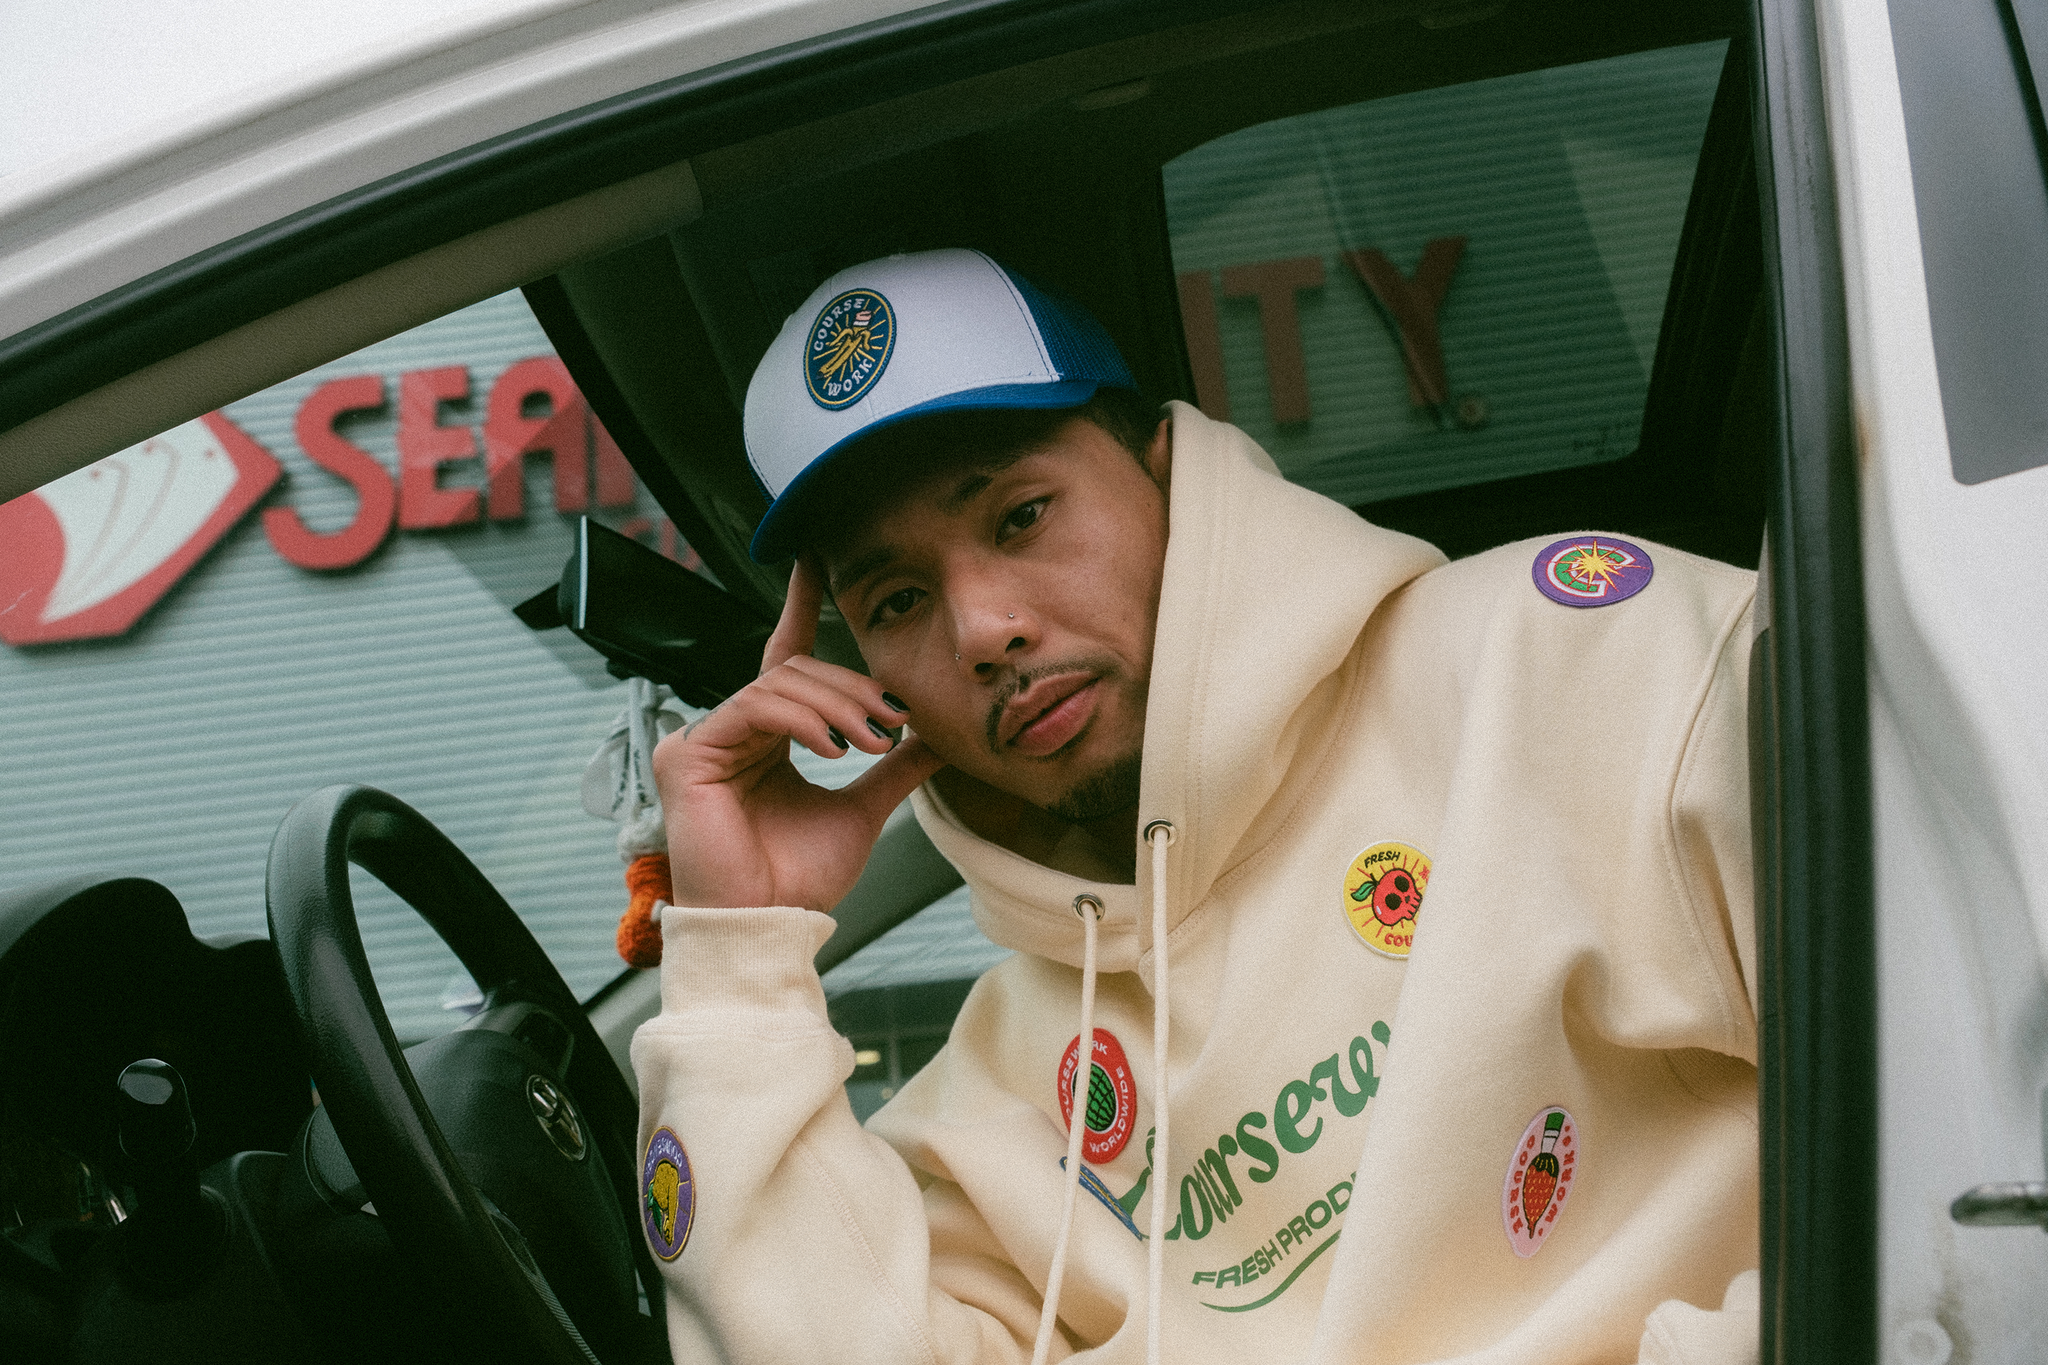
x=1810, y=750
x=1809, y=740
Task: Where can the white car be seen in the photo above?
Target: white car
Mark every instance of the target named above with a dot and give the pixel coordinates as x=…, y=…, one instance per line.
x=326, y=337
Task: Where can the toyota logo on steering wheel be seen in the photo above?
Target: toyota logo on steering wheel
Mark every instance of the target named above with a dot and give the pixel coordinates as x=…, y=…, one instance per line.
x=551, y=1109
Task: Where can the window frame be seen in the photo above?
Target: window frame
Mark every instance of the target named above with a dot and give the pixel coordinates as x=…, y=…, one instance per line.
x=1809, y=697
x=1810, y=750
x=252, y=276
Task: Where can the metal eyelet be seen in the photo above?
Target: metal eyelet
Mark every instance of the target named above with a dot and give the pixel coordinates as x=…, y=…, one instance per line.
x=1084, y=899
x=1167, y=825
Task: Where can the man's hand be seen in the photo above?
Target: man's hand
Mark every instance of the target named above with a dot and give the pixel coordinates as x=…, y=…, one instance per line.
x=744, y=828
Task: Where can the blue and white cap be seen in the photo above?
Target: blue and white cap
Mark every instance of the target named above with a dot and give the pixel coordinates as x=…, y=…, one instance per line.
x=938, y=331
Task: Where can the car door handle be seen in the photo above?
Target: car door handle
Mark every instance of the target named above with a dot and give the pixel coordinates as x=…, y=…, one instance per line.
x=2005, y=1204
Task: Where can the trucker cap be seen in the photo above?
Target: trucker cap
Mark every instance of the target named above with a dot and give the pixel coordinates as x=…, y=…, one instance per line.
x=937, y=331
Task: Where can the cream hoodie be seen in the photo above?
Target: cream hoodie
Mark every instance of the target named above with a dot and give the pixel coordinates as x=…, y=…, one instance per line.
x=1346, y=1125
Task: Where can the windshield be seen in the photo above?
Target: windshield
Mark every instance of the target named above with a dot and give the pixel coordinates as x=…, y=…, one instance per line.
x=1444, y=287
x=315, y=585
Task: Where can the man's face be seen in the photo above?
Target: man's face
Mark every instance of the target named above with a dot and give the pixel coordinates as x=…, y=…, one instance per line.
x=1013, y=612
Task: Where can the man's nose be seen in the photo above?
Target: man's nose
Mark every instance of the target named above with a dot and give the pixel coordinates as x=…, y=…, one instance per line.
x=992, y=628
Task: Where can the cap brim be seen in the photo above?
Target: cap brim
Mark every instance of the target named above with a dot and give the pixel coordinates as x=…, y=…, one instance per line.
x=776, y=538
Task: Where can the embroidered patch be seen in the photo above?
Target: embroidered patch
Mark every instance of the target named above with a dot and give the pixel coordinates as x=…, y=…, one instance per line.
x=668, y=1196
x=1591, y=571
x=849, y=348
x=1539, y=1180
x=1112, y=1103
x=1383, y=895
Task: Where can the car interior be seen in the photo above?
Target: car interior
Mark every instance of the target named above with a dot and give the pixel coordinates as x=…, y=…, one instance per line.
x=367, y=1195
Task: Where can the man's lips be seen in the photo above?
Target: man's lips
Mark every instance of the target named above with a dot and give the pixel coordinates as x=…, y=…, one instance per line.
x=1048, y=714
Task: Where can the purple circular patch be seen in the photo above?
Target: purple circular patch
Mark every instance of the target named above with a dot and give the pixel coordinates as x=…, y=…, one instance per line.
x=668, y=1196
x=1591, y=571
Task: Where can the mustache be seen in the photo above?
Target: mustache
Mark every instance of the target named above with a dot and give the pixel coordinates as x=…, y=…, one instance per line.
x=1009, y=687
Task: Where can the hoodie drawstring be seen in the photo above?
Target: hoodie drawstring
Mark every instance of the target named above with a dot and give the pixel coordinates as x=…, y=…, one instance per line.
x=1158, y=834
x=1090, y=911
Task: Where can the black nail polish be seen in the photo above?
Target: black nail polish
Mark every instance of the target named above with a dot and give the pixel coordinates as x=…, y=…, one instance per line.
x=895, y=703
x=879, y=732
x=836, y=737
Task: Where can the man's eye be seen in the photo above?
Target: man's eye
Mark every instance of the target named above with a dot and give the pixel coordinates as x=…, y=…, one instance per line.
x=1023, y=517
x=895, y=604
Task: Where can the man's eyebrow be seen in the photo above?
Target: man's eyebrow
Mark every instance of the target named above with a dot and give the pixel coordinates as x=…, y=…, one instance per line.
x=972, y=485
x=862, y=568
x=967, y=489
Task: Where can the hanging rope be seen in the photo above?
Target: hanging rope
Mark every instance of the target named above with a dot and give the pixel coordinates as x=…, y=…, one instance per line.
x=618, y=785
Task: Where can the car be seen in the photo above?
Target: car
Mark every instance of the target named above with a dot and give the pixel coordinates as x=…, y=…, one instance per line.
x=326, y=340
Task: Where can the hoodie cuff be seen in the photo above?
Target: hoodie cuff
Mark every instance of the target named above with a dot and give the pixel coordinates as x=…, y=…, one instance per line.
x=746, y=961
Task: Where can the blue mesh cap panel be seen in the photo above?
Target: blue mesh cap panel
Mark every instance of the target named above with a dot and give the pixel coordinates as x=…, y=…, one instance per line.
x=774, y=538
x=1077, y=343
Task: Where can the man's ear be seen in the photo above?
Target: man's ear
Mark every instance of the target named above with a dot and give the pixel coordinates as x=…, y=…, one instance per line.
x=1159, y=455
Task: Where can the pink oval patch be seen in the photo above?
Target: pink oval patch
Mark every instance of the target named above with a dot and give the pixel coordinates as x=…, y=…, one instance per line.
x=1540, y=1177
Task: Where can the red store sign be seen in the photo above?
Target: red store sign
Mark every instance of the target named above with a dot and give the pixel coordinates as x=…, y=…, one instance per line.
x=87, y=556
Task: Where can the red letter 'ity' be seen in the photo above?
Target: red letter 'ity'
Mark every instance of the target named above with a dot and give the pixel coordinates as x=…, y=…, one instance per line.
x=1412, y=303
x=1274, y=284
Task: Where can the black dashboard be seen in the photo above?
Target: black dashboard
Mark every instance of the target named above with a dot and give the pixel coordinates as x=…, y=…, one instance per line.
x=97, y=973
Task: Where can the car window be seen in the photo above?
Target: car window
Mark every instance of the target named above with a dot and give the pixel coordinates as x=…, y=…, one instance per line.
x=315, y=585
x=1443, y=287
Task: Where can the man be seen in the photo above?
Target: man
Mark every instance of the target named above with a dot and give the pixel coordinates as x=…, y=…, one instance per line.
x=1452, y=860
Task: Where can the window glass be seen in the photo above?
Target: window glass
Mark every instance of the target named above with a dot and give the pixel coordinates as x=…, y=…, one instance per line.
x=207, y=627
x=1971, y=77
x=1443, y=287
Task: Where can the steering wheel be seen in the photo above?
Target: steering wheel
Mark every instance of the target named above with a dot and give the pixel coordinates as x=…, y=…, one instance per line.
x=512, y=1196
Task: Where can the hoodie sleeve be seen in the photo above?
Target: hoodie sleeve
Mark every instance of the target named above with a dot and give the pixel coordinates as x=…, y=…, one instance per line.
x=1710, y=830
x=1677, y=1333
x=1710, y=834
x=806, y=1229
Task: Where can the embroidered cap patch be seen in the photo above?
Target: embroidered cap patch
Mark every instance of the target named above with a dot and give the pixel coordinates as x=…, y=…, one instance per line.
x=1591, y=571
x=1539, y=1180
x=1111, y=1108
x=848, y=348
x=668, y=1196
x=1383, y=896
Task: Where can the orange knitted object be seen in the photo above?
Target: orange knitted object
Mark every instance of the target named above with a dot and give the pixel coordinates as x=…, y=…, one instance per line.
x=639, y=938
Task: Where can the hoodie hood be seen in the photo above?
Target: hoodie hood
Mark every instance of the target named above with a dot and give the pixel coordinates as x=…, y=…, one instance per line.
x=1266, y=588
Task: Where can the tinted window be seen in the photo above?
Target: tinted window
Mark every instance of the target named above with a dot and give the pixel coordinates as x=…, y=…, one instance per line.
x=211, y=625
x=1448, y=286
x=315, y=585
x=1967, y=74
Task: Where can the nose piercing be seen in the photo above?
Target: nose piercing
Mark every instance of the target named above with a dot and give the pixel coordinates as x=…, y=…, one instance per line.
x=956, y=658
x=1013, y=616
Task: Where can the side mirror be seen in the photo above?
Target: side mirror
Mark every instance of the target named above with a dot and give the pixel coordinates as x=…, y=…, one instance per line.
x=651, y=618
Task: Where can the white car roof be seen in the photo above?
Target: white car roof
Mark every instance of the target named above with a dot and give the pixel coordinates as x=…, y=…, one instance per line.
x=137, y=135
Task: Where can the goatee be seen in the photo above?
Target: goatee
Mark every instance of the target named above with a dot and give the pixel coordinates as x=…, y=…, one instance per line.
x=1103, y=793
